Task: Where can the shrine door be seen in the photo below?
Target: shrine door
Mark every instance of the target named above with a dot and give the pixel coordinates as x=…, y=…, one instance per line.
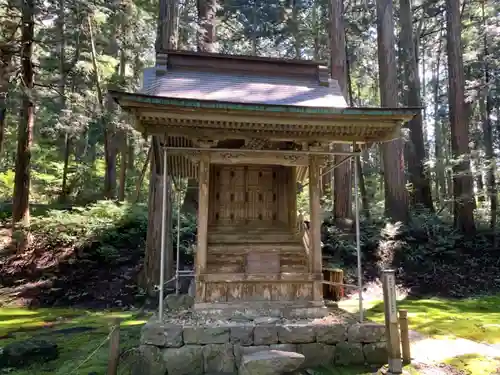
x=244, y=195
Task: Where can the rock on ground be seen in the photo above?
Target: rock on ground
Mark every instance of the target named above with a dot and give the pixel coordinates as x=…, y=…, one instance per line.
x=27, y=352
x=270, y=362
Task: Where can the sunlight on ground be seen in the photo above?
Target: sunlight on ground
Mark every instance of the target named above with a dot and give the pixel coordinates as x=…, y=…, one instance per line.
x=354, y=370
x=475, y=364
x=75, y=347
x=475, y=319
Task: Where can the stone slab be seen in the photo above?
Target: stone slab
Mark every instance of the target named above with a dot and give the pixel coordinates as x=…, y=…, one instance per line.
x=206, y=335
x=317, y=354
x=242, y=335
x=218, y=358
x=162, y=335
x=331, y=333
x=265, y=335
x=186, y=360
x=271, y=362
x=296, y=333
x=366, y=333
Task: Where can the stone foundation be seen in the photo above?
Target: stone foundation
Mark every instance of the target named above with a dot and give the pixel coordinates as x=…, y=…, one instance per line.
x=196, y=348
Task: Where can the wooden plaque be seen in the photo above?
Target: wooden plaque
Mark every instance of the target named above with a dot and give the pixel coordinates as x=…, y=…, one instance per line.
x=263, y=263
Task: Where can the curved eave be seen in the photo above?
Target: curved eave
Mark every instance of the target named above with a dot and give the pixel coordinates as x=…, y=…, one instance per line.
x=365, y=125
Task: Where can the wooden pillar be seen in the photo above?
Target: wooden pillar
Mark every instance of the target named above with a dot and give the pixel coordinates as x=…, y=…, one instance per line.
x=315, y=225
x=201, y=249
x=292, y=198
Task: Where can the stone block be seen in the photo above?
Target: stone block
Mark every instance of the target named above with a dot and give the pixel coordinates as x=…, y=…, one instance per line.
x=218, y=358
x=206, y=335
x=176, y=302
x=347, y=353
x=284, y=347
x=242, y=335
x=27, y=352
x=163, y=335
x=239, y=351
x=267, y=320
x=149, y=361
x=331, y=333
x=376, y=353
x=366, y=333
x=296, y=334
x=271, y=362
x=317, y=354
x=265, y=335
x=186, y=360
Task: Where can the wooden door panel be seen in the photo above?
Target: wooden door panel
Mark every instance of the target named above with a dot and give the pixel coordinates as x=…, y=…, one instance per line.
x=244, y=195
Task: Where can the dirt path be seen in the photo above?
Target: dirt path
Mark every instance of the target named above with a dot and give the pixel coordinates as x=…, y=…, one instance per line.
x=432, y=350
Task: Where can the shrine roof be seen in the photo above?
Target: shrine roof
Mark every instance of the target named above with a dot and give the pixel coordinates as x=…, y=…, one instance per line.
x=239, y=87
x=189, y=93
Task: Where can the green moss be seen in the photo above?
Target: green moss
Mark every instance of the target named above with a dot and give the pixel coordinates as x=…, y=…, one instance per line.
x=475, y=364
x=475, y=319
x=84, y=352
x=358, y=370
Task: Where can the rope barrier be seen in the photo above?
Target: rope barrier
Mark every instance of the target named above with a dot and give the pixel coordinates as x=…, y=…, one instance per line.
x=92, y=353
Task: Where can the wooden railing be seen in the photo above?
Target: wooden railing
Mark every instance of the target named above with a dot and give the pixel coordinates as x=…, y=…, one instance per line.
x=305, y=237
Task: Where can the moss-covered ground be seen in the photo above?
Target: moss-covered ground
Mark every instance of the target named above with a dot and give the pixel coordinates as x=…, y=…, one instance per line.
x=81, y=334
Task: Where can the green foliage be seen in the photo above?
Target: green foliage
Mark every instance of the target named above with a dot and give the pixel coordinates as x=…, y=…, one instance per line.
x=7, y=183
x=188, y=229
x=105, y=229
x=429, y=254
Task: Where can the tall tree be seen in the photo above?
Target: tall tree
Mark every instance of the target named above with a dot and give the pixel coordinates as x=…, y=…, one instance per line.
x=8, y=48
x=342, y=197
x=152, y=265
x=462, y=178
x=206, y=25
x=20, y=208
x=421, y=186
x=206, y=43
x=396, y=196
x=487, y=99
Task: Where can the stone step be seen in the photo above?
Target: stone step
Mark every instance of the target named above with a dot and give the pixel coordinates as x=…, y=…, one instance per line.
x=270, y=362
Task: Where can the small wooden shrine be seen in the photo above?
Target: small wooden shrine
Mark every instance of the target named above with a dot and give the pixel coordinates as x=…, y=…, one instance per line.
x=248, y=129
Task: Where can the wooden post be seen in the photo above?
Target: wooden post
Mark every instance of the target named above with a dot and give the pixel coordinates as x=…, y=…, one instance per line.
x=315, y=229
x=292, y=198
x=114, y=348
x=405, y=336
x=330, y=290
x=201, y=249
x=337, y=276
x=391, y=322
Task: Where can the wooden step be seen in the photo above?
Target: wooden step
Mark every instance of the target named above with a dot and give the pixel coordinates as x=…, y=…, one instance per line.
x=252, y=237
x=244, y=248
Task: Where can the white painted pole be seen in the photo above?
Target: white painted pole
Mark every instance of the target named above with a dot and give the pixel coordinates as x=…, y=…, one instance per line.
x=178, y=240
x=358, y=239
x=163, y=242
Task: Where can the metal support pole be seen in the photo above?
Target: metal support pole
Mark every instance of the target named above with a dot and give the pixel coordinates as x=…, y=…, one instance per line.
x=358, y=244
x=178, y=241
x=163, y=239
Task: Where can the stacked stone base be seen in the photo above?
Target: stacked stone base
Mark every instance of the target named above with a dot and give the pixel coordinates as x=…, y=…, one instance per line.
x=217, y=348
